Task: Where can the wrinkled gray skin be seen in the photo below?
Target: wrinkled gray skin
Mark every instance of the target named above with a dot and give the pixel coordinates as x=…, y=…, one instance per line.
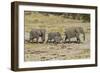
x=36, y=34
x=74, y=32
x=54, y=37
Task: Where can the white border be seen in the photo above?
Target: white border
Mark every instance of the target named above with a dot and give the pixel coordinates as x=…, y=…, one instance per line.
x=23, y=64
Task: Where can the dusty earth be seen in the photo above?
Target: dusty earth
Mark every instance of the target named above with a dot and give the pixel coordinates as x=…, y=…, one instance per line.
x=63, y=51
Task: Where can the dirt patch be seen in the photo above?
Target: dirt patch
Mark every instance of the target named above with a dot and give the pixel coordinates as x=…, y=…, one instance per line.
x=63, y=51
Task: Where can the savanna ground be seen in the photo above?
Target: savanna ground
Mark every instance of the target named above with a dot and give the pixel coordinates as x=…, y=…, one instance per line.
x=49, y=51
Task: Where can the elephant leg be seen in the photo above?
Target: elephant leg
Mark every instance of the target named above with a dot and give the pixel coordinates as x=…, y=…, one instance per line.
x=78, y=39
x=37, y=40
x=53, y=41
x=65, y=39
x=32, y=40
x=43, y=39
x=48, y=41
x=69, y=39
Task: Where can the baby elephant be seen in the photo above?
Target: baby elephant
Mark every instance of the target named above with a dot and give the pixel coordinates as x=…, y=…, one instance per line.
x=54, y=37
x=74, y=32
x=36, y=34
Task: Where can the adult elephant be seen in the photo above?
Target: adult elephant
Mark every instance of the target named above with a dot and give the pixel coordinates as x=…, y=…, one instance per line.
x=74, y=32
x=36, y=34
x=54, y=37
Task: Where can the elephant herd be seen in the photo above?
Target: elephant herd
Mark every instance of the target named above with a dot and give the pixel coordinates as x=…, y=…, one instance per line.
x=56, y=37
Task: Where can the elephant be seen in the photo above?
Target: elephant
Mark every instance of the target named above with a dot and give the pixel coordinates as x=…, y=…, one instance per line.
x=36, y=34
x=54, y=37
x=74, y=32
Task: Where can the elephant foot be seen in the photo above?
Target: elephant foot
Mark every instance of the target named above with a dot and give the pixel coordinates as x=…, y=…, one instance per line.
x=64, y=42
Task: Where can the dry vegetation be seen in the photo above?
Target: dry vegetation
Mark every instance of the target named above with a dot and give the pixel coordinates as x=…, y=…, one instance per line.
x=50, y=51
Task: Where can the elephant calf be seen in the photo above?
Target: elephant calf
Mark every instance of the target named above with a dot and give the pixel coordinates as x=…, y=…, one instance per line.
x=74, y=32
x=54, y=37
x=36, y=34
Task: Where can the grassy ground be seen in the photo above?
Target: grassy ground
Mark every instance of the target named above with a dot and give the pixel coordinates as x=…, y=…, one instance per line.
x=52, y=23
